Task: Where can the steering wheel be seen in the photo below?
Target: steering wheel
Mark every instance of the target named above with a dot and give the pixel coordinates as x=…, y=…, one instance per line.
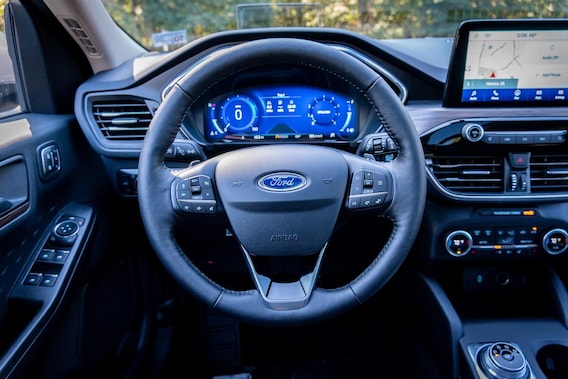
x=282, y=200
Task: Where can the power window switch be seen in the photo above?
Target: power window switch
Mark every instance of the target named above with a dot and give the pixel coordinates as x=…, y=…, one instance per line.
x=61, y=256
x=48, y=280
x=33, y=279
x=45, y=255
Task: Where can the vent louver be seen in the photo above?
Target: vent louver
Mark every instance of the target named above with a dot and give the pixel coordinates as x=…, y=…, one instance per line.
x=122, y=119
x=81, y=35
x=549, y=173
x=469, y=174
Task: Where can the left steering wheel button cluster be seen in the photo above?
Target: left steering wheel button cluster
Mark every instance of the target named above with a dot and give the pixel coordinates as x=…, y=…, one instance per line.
x=196, y=195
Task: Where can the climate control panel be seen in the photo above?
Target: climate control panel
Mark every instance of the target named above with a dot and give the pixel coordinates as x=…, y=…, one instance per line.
x=494, y=233
x=506, y=241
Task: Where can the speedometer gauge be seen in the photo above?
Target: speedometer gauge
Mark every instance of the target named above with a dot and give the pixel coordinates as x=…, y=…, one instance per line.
x=236, y=114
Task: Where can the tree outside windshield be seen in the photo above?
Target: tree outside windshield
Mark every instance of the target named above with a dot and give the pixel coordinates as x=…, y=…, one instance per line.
x=380, y=19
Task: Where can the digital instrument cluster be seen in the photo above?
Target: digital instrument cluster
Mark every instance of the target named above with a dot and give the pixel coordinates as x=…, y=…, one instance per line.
x=281, y=113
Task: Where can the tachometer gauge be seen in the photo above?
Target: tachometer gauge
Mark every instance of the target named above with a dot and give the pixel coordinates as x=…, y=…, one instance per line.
x=324, y=111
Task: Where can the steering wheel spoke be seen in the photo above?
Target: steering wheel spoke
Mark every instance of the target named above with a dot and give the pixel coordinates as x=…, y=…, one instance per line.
x=289, y=290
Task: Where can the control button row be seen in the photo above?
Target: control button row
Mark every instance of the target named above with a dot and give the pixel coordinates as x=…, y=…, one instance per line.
x=518, y=138
x=39, y=279
x=366, y=201
x=505, y=250
x=196, y=195
x=504, y=236
x=50, y=255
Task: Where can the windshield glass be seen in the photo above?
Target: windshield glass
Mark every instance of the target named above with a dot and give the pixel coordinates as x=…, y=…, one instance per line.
x=163, y=25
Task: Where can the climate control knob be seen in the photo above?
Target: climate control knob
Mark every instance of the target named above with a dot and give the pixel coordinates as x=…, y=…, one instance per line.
x=458, y=243
x=555, y=241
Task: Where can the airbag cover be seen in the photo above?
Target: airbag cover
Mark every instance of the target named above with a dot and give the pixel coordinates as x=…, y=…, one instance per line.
x=282, y=200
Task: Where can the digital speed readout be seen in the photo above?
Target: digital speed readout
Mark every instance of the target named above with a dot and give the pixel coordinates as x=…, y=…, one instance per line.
x=281, y=113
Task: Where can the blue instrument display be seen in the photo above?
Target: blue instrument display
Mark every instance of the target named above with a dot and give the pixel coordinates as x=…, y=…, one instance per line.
x=281, y=113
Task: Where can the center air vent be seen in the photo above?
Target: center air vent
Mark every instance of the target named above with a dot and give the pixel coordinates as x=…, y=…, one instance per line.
x=469, y=174
x=549, y=173
x=122, y=119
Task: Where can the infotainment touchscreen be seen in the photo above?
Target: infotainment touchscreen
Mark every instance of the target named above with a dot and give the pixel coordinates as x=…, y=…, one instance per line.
x=513, y=62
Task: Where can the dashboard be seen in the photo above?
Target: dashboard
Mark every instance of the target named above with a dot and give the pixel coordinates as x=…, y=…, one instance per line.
x=485, y=156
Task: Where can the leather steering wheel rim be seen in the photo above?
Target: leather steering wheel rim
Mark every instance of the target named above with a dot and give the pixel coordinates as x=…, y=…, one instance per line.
x=407, y=171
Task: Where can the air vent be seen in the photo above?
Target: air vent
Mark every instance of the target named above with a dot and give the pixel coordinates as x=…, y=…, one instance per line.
x=81, y=36
x=469, y=174
x=549, y=173
x=122, y=119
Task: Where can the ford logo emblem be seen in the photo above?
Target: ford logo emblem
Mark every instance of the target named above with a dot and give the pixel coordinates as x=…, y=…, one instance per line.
x=282, y=182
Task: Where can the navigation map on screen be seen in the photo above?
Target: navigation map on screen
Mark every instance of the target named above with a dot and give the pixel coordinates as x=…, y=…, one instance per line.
x=516, y=66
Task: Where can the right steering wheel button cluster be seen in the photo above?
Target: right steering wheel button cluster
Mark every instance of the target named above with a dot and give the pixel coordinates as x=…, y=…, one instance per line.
x=369, y=189
x=195, y=195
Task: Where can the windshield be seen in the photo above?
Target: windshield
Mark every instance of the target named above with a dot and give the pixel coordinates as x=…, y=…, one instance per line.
x=163, y=25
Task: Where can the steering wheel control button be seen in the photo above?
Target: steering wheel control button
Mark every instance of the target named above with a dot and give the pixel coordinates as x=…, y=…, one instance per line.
x=503, y=360
x=458, y=243
x=555, y=241
x=196, y=195
x=369, y=189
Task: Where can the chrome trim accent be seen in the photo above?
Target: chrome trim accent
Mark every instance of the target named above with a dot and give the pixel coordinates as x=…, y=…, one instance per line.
x=471, y=172
x=282, y=181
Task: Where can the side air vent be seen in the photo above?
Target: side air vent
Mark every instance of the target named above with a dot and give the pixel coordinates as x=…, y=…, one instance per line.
x=549, y=173
x=122, y=119
x=469, y=174
x=81, y=36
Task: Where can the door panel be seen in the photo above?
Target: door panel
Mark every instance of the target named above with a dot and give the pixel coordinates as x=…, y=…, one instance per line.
x=48, y=176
